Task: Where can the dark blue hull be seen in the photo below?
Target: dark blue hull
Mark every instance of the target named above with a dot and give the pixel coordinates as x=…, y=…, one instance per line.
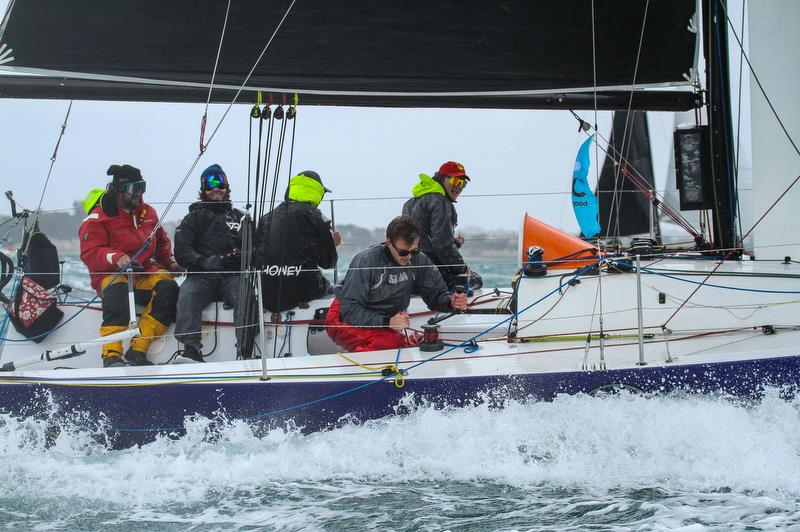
x=135, y=415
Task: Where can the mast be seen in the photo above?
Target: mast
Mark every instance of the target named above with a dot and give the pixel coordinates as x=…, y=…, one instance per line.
x=715, y=51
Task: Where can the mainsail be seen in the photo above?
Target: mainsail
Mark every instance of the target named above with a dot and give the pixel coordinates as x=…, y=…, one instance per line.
x=510, y=53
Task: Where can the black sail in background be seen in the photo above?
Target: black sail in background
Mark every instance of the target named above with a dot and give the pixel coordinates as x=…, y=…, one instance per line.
x=350, y=52
x=627, y=212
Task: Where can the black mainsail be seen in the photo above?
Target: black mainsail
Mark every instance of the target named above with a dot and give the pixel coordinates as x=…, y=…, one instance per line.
x=447, y=53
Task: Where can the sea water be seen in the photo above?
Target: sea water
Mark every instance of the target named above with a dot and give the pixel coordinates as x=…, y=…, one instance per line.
x=620, y=462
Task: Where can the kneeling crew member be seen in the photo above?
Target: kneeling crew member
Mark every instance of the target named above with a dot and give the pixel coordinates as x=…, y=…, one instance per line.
x=369, y=310
x=117, y=232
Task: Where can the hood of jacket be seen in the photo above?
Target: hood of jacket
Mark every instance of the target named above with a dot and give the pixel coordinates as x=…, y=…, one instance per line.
x=427, y=185
x=303, y=189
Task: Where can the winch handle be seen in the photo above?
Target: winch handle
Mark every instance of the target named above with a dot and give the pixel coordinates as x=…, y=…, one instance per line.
x=458, y=289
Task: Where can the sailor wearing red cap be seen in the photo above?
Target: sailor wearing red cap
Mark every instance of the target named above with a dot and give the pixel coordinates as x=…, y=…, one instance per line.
x=432, y=208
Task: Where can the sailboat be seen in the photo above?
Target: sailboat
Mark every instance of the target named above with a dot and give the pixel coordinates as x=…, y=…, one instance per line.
x=581, y=318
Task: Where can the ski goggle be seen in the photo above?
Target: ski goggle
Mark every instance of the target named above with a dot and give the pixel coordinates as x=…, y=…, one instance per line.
x=134, y=188
x=457, y=181
x=405, y=252
x=213, y=181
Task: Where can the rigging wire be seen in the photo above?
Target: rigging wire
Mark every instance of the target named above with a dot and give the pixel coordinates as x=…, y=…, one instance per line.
x=626, y=141
x=221, y=120
x=52, y=162
x=254, y=114
x=267, y=114
x=758, y=82
x=216, y=61
x=774, y=113
x=292, y=115
x=259, y=115
x=250, y=73
x=739, y=129
x=635, y=175
x=597, y=178
x=204, y=120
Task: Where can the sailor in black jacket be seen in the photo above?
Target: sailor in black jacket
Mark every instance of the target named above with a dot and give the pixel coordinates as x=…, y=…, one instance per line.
x=294, y=241
x=208, y=244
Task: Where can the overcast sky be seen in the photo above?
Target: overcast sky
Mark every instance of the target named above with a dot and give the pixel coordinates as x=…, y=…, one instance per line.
x=360, y=153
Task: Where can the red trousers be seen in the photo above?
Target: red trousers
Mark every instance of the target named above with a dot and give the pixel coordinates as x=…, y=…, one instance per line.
x=365, y=338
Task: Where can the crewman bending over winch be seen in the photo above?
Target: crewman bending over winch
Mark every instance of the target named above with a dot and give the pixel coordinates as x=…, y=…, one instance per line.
x=369, y=310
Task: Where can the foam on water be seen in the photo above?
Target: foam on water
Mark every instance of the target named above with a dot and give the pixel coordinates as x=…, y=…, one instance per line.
x=625, y=460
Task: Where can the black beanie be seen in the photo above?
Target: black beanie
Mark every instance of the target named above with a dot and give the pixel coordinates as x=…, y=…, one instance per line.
x=124, y=174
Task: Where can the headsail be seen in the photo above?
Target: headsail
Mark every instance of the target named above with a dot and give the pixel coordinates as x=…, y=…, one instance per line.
x=584, y=203
x=624, y=209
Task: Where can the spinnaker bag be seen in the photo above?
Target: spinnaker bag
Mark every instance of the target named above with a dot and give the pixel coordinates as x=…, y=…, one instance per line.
x=34, y=311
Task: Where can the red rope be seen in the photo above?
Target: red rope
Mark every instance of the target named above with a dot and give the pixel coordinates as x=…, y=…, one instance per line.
x=203, y=132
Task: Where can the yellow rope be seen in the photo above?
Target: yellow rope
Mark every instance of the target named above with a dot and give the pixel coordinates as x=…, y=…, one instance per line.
x=581, y=337
x=399, y=378
x=357, y=363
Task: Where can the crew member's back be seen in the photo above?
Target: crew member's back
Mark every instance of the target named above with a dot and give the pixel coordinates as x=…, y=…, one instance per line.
x=294, y=241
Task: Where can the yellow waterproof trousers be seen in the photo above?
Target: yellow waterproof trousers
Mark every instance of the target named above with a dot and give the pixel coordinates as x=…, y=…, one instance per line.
x=153, y=322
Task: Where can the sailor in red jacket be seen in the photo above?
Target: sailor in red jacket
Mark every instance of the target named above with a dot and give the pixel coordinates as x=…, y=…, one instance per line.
x=119, y=231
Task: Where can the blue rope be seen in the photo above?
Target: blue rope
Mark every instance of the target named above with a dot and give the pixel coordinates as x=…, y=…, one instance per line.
x=725, y=287
x=471, y=348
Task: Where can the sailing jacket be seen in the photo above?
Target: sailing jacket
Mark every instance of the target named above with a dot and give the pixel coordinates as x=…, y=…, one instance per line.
x=435, y=215
x=294, y=241
x=109, y=232
x=211, y=229
x=376, y=287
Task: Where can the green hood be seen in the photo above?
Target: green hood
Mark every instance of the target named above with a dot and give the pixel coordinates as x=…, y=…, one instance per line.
x=427, y=185
x=305, y=190
x=92, y=198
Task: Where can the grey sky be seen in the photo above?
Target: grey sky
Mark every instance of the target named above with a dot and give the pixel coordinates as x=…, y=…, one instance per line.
x=359, y=152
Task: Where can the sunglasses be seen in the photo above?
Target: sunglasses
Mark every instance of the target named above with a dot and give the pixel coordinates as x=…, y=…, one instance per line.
x=213, y=181
x=405, y=252
x=457, y=181
x=135, y=188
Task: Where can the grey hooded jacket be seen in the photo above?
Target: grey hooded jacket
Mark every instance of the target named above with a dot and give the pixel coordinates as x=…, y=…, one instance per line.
x=376, y=287
x=436, y=217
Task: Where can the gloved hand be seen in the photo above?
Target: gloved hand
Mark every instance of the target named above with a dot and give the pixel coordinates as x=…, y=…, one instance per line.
x=232, y=260
x=212, y=263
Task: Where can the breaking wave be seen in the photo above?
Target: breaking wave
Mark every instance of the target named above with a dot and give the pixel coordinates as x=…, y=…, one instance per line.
x=620, y=460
